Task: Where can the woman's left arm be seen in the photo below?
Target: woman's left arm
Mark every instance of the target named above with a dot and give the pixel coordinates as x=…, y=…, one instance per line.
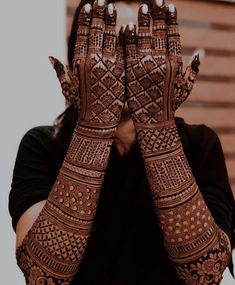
x=198, y=248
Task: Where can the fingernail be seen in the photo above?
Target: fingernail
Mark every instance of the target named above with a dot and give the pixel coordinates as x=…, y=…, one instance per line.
x=51, y=60
x=171, y=8
x=145, y=9
x=131, y=26
x=199, y=52
x=110, y=9
x=101, y=2
x=88, y=8
x=159, y=3
x=123, y=27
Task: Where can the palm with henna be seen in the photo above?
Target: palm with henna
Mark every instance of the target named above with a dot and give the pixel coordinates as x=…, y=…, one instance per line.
x=96, y=83
x=156, y=88
x=156, y=84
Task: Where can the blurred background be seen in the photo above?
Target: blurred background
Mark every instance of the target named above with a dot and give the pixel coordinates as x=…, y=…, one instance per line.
x=31, y=96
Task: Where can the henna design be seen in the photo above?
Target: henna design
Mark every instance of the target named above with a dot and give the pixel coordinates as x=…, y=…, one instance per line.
x=184, y=83
x=109, y=45
x=173, y=36
x=144, y=33
x=53, y=249
x=159, y=30
x=156, y=87
x=81, y=46
x=157, y=141
x=191, y=235
x=207, y=268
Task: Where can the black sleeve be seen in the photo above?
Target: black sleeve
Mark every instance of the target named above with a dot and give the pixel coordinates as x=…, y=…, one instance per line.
x=203, y=150
x=205, y=155
x=212, y=178
x=34, y=172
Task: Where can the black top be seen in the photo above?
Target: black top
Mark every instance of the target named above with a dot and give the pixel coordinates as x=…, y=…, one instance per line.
x=126, y=245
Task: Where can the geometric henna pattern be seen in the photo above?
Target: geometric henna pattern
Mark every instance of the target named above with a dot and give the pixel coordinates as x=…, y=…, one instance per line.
x=156, y=86
x=143, y=87
x=169, y=171
x=199, y=250
x=195, y=244
x=102, y=92
x=98, y=75
x=53, y=248
x=155, y=141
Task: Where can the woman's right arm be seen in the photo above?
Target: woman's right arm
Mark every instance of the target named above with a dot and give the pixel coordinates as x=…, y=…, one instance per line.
x=52, y=235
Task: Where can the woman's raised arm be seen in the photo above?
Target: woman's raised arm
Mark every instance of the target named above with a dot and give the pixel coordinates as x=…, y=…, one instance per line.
x=53, y=248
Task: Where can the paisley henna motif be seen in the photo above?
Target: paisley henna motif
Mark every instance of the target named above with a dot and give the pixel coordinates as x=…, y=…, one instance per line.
x=53, y=249
x=156, y=88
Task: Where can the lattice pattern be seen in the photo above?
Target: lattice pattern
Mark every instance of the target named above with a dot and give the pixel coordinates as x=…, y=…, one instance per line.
x=145, y=91
x=91, y=153
x=155, y=141
x=61, y=244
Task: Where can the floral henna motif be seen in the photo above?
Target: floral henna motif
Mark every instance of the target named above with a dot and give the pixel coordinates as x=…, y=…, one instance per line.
x=207, y=269
x=196, y=246
x=53, y=249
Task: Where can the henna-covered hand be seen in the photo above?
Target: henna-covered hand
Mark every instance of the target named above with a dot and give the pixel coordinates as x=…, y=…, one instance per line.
x=197, y=247
x=156, y=84
x=96, y=83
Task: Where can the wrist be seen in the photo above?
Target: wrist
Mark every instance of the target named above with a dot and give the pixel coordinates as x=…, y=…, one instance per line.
x=89, y=148
x=158, y=139
x=95, y=131
x=154, y=126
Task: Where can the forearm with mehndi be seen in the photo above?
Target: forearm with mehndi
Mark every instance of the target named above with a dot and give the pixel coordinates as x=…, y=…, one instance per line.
x=53, y=249
x=195, y=244
x=198, y=248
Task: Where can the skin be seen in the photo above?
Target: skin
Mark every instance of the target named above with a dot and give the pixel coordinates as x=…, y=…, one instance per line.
x=156, y=86
x=125, y=134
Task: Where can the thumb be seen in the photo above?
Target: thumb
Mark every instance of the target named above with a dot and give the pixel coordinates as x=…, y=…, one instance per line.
x=185, y=82
x=63, y=76
x=58, y=66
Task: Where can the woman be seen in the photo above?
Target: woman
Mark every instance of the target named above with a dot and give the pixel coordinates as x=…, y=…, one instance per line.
x=122, y=192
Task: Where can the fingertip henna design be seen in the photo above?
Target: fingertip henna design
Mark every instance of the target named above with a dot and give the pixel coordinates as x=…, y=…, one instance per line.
x=144, y=33
x=97, y=28
x=159, y=10
x=173, y=36
x=81, y=46
x=130, y=34
x=110, y=39
x=68, y=81
x=159, y=29
x=171, y=15
x=196, y=63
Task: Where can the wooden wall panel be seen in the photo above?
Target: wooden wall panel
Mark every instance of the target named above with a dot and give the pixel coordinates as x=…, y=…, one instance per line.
x=209, y=25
